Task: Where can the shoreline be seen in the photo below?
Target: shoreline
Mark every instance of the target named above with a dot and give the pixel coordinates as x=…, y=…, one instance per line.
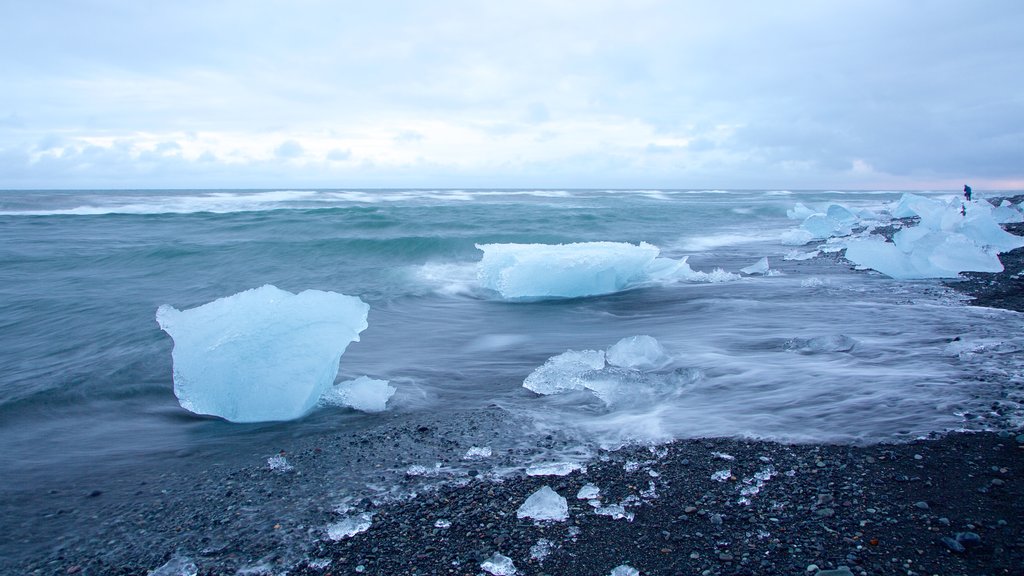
x=877, y=509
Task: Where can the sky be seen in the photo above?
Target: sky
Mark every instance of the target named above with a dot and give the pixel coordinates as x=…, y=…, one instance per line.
x=788, y=94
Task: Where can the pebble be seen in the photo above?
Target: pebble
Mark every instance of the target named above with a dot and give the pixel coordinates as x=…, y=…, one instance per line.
x=922, y=505
x=968, y=538
x=825, y=512
x=840, y=571
x=952, y=544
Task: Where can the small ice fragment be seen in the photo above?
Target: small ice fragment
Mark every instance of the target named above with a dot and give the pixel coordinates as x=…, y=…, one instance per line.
x=722, y=475
x=350, y=526
x=798, y=255
x=279, y=464
x=723, y=456
x=589, y=492
x=821, y=344
x=631, y=466
x=616, y=511
x=443, y=524
x=544, y=504
x=759, y=267
x=653, y=474
x=624, y=570
x=416, y=470
x=318, y=563
x=650, y=493
x=499, y=565
x=364, y=394
x=541, y=550
x=477, y=453
x=554, y=469
x=177, y=566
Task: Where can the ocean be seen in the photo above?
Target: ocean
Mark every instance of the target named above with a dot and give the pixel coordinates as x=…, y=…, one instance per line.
x=86, y=383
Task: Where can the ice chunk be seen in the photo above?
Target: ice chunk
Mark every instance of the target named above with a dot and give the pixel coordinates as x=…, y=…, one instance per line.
x=279, y=463
x=477, y=453
x=614, y=385
x=799, y=212
x=260, y=355
x=818, y=344
x=544, y=504
x=589, y=492
x=443, y=524
x=541, y=550
x=624, y=570
x=798, y=255
x=498, y=565
x=523, y=271
x=350, y=526
x=616, y=512
x=564, y=372
x=363, y=394
x=638, y=353
x=176, y=566
x=759, y=267
x=722, y=475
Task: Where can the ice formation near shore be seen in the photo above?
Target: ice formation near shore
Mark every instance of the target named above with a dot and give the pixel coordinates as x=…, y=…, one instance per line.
x=951, y=236
x=260, y=355
x=364, y=394
x=518, y=271
x=544, y=505
x=629, y=372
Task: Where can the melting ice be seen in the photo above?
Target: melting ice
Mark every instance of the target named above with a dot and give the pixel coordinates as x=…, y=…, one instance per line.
x=544, y=504
x=952, y=237
x=363, y=394
x=260, y=355
x=518, y=271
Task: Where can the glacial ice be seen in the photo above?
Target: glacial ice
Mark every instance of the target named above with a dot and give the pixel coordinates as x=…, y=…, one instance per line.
x=260, y=355
x=498, y=565
x=951, y=237
x=624, y=570
x=554, y=469
x=627, y=374
x=364, y=394
x=638, y=353
x=759, y=267
x=350, y=526
x=541, y=550
x=525, y=271
x=544, y=505
x=589, y=491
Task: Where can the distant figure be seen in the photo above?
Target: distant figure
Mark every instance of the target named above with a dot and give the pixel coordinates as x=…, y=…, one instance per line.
x=967, y=192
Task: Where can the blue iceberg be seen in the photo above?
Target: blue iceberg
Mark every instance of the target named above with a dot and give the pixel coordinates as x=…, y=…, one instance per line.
x=260, y=355
x=523, y=271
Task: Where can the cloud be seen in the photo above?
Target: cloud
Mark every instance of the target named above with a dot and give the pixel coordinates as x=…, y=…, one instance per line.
x=797, y=93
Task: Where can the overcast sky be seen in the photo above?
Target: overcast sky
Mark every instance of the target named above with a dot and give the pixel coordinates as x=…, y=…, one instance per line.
x=589, y=93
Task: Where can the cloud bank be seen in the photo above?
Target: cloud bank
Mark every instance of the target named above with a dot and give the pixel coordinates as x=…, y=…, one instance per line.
x=241, y=94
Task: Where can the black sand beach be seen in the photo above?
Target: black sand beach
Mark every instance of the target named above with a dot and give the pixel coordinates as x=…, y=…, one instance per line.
x=948, y=505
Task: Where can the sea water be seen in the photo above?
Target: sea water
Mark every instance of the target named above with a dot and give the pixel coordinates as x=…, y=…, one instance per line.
x=86, y=373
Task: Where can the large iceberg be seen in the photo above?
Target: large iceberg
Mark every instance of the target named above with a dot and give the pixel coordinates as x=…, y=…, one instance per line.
x=260, y=355
x=951, y=237
x=520, y=271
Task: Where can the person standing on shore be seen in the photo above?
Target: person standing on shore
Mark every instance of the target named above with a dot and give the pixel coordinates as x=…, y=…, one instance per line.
x=967, y=192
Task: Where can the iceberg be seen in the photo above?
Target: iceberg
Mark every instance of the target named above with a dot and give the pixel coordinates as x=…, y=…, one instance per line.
x=951, y=237
x=364, y=394
x=544, y=505
x=260, y=355
x=525, y=271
